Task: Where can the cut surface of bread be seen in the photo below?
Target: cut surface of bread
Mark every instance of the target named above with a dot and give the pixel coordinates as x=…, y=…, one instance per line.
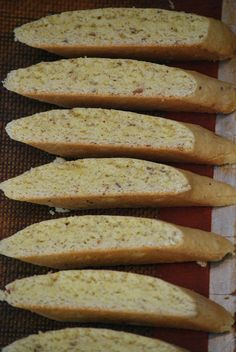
x=84, y=132
x=115, y=182
x=130, y=32
x=81, y=241
x=89, y=340
x=128, y=84
x=119, y=297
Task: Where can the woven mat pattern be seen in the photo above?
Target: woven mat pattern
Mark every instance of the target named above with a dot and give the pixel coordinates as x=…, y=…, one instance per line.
x=17, y=158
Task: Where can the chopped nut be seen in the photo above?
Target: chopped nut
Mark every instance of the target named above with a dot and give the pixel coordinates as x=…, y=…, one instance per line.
x=138, y=91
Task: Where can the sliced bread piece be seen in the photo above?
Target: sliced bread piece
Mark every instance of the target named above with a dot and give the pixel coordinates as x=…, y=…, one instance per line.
x=121, y=83
x=91, y=240
x=130, y=32
x=116, y=297
x=89, y=340
x=116, y=182
x=85, y=132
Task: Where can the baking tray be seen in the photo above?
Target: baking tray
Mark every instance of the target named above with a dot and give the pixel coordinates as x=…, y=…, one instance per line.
x=17, y=158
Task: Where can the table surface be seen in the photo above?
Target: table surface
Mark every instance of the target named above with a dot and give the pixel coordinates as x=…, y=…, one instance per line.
x=17, y=158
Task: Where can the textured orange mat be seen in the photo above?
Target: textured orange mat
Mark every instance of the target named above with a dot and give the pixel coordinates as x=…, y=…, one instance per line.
x=16, y=158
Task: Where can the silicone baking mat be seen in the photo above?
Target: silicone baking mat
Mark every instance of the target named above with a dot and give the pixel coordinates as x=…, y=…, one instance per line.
x=17, y=158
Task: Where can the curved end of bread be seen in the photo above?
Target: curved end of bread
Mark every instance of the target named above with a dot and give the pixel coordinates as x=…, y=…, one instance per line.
x=19, y=35
x=229, y=155
x=225, y=46
x=3, y=296
x=211, y=148
x=9, y=131
x=24, y=35
x=222, y=320
x=206, y=191
x=10, y=82
x=207, y=246
x=211, y=317
x=4, y=187
x=227, y=150
x=225, y=247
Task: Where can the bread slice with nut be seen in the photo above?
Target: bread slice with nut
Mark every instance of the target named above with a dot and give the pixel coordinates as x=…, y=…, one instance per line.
x=89, y=339
x=96, y=240
x=88, y=132
x=130, y=32
x=119, y=83
x=116, y=297
x=116, y=182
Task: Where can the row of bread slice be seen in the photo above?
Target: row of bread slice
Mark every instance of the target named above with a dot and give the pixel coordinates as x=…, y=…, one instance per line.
x=140, y=91
x=116, y=297
x=116, y=182
x=122, y=83
x=87, y=132
x=130, y=32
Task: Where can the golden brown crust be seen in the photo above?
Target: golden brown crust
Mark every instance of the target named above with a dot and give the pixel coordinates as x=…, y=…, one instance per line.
x=206, y=191
x=221, y=40
x=210, y=148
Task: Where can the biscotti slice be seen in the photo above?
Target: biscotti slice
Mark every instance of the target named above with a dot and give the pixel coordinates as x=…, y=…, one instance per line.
x=89, y=340
x=116, y=182
x=85, y=132
x=130, y=32
x=118, y=83
x=116, y=297
x=91, y=240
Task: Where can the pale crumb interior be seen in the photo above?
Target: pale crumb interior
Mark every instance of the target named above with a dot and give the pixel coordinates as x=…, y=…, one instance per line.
x=101, y=289
x=75, y=234
x=111, y=176
x=101, y=126
x=115, y=26
x=102, y=77
x=87, y=340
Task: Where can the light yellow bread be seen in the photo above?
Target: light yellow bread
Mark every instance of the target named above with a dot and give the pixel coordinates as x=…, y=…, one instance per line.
x=116, y=182
x=89, y=340
x=91, y=240
x=86, y=132
x=130, y=32
x=120, y=83
x=116, y=297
